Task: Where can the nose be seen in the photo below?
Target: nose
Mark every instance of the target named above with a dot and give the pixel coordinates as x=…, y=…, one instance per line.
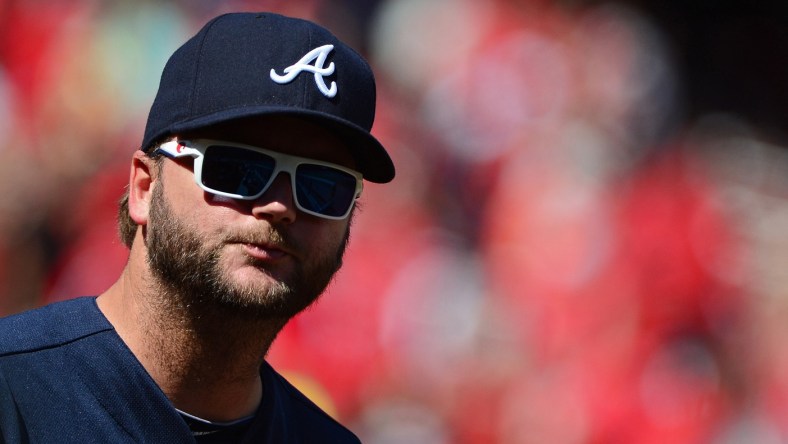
x=277, y=203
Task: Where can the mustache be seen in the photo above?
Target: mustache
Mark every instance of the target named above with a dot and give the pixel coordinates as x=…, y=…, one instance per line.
x=270, y=236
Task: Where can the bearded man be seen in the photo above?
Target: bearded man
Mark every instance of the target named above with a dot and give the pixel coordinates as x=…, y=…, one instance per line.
x=237, y=215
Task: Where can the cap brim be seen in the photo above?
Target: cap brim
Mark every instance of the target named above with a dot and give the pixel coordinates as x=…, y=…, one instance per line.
x=372, y=160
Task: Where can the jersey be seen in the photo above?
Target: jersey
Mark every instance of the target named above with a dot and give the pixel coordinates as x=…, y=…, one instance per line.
x=67, y=377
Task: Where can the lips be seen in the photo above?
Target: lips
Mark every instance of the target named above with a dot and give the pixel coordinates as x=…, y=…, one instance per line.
x=264, y=252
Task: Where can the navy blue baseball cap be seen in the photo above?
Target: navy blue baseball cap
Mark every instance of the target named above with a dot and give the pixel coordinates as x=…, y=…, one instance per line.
x=247, y=65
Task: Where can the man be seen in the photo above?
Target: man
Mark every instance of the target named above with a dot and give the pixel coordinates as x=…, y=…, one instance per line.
x=237, y=215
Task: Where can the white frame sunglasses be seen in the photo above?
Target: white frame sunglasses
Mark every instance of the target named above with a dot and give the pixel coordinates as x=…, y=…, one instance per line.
x=197, y=149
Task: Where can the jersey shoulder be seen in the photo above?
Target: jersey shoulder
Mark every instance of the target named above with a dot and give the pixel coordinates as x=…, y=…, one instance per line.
x=51, y=326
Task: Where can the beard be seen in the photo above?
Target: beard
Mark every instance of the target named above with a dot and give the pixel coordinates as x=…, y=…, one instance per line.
x=189, y=271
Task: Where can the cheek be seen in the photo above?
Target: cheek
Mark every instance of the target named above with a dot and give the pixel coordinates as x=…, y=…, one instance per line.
x=316, y=237
x=179, y=186
x=187, y=202
x=334, y=234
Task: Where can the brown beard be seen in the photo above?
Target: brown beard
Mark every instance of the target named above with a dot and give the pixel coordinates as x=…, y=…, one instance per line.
x=190, y=272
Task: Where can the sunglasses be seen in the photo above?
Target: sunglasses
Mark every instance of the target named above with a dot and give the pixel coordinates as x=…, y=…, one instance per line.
x=245, y=172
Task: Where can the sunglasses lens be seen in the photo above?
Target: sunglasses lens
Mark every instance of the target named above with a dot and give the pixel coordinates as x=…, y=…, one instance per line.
x=325, y=190
x=236, y=170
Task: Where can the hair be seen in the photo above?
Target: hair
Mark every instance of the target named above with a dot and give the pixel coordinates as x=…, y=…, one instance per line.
x=127, y=228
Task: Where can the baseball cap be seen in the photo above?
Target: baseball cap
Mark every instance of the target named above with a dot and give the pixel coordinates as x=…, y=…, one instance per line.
x=245, y=65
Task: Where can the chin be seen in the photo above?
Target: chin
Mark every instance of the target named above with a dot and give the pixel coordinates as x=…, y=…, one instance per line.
x=261, y=295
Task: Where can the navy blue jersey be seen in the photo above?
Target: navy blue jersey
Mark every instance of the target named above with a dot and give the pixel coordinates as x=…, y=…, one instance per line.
x=67, y=377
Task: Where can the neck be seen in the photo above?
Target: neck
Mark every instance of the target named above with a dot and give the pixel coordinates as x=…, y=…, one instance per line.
x=205, y=368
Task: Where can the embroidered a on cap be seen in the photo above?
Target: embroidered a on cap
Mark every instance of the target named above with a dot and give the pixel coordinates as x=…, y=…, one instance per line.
x=319, y=56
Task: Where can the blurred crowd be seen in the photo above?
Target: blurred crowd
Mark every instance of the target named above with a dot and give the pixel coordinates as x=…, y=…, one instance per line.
x=572, y=252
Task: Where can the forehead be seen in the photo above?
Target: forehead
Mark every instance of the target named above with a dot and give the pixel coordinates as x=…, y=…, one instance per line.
x=289, y=135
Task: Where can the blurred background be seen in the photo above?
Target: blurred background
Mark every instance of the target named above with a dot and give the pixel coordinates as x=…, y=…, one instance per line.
x=584, y=242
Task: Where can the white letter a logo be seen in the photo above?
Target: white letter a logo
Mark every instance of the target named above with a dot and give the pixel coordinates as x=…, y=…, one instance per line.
x=319, y=55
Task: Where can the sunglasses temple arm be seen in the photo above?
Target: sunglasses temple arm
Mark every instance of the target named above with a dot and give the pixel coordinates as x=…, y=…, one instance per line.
x=173, y=149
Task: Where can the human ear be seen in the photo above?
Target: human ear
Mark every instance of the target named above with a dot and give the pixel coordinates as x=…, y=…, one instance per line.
x=141, y=182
